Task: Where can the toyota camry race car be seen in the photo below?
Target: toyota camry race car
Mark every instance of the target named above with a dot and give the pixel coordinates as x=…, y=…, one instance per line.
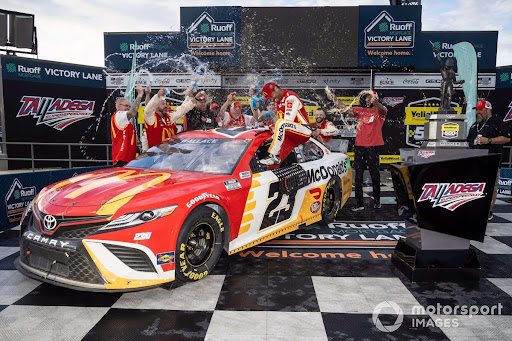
x=169, y=214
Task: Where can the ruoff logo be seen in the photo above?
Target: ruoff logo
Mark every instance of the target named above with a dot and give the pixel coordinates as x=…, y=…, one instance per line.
x=205, y=32
x=388, y=307
x=384, y=32
x=11, y=67
x=451, y=195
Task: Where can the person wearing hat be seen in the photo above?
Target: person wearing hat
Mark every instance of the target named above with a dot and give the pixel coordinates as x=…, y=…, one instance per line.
x=234, y=117
x=370, y=120
x=160, y=121
x=488, y=132
x=290, y=130
x=199, y=117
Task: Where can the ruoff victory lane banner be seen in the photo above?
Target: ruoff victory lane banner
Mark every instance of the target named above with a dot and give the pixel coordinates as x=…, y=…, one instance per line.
x=52, y=102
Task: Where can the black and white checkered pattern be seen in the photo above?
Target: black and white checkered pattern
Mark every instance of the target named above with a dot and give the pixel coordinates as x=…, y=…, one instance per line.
x=270, y=299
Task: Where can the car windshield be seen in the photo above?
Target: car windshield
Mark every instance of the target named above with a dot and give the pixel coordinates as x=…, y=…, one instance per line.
x=208, y=155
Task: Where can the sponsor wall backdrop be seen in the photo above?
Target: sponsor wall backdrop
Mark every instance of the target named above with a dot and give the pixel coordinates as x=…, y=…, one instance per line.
x=19, y=190
x=388, y=35
x=291, y=38
x=53, y=102
x=485, y=43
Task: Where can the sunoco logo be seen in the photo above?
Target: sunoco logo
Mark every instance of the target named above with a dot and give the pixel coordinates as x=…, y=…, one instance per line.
x=205, y=32
x=384, y=32
x=17, y=199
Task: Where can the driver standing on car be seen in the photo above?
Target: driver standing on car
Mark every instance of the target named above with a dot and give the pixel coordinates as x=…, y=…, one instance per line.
x=291, y=130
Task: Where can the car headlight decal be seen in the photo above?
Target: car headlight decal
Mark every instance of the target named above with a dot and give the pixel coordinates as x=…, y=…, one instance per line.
x=138, y=218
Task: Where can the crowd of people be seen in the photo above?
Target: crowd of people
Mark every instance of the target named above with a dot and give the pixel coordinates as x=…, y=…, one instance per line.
x=283, y=112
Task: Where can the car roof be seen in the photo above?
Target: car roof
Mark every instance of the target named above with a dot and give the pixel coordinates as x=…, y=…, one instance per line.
x=239, y=133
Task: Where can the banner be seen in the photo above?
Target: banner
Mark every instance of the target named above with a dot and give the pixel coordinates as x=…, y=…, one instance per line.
x=213, y=33
x=504, y=77
x=466, y=56
x=39, y=71
x=425, y=81
x=21, y=188
x=50, y=106
x=388, y=35
x=485, y=43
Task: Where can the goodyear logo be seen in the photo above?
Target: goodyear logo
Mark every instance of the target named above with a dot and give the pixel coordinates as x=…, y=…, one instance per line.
x=165, y=258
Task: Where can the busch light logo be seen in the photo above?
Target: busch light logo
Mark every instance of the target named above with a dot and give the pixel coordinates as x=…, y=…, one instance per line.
x=451, y=195
x=206, y=33
x=56, y=113
x=384, y=33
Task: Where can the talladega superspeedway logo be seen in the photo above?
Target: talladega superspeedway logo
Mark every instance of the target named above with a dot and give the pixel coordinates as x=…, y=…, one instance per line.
x=451, y=195
x=57, y=113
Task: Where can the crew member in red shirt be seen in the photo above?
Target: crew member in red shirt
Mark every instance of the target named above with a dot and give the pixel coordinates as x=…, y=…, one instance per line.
x=124, y=140
x=325, y=129
x=291, y=130
x=368, y=139
x=234, y=117
x=159, y=121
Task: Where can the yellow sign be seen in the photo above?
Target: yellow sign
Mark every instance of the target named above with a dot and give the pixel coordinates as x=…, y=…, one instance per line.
x=450, y=127
x=417, y=115
x=389, y=158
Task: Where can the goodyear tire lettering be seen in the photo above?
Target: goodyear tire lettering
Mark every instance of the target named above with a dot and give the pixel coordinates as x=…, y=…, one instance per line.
x=195, y=264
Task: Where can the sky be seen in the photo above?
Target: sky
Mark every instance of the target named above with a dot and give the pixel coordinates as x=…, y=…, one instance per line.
x=72, y=31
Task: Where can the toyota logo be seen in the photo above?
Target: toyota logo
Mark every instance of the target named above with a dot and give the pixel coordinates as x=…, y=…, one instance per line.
x=50, y=222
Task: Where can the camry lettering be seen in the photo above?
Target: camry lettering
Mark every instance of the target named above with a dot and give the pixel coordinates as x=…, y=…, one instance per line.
x=47, y=241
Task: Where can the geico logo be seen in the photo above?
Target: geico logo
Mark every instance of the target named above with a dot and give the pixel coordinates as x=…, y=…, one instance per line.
x=182, y=80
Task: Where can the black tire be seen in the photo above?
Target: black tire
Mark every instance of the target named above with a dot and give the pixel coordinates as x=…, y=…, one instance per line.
x=331, y=201
x=199, y=244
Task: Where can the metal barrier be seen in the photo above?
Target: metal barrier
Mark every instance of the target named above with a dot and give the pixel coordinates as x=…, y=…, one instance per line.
x=504, y=161
x=33, y=159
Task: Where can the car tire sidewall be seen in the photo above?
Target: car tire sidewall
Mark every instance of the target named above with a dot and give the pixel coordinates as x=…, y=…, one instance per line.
x=334, y=185
x=185, y=271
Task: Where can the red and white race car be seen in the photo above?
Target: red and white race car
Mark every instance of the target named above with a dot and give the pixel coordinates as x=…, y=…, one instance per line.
x=169, y=214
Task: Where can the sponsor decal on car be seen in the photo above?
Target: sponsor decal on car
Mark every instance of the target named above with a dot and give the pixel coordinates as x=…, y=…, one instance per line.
x=232, y=184
x=315, y=192
x=165, y=258
x=315, y=207
x=202, y=197
x=142, y=236
x=426, y=153
x=49, y=241
x=452, y=195
x=245, y=175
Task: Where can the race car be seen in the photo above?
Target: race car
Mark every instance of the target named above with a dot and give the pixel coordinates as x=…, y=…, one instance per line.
x=168, y=215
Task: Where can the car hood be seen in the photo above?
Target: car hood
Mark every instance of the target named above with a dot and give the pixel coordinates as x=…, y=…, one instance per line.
x=105, y=192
